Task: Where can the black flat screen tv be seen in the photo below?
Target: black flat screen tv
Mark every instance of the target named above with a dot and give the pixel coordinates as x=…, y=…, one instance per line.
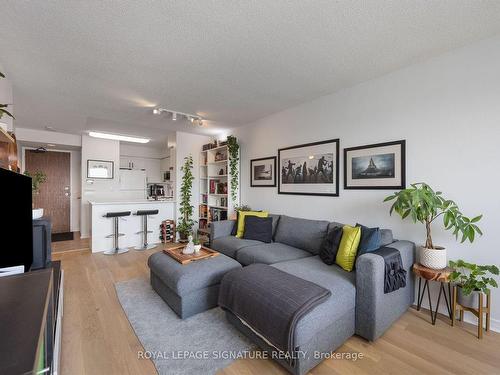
x=16, y=220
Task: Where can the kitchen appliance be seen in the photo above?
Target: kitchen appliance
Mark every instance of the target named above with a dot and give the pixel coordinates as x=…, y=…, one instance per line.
x=156, y=191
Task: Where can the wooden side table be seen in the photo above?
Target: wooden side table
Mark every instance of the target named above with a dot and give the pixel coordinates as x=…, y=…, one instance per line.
x=441, y=276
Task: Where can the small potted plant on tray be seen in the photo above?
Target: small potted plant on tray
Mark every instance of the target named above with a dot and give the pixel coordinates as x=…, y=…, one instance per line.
x=421, y=203
x=471, y=280
x=196, y=242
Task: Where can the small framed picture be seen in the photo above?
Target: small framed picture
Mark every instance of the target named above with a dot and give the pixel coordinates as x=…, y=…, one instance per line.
x=263, y=172
x=309, y=169
x=376, y=166
x=100, y=169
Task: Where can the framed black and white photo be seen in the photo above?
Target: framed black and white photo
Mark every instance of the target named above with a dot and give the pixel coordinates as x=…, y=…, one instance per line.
x=309, y=169
x=263, y=172
x=377, y=166
x=100, y=169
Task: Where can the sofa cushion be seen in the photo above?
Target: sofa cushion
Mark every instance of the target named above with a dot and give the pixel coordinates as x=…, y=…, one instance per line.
x=328, y=252
x=301, y=233
x=241, y=220
x=229, y=245
x=346, y=256
x=386, y=237
x=259, y=229
x=182, y=279
x=370, y=239
x=333, y=278
x=276, y=219
x=269, y=253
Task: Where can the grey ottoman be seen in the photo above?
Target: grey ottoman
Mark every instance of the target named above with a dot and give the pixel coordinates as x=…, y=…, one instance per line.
x=192, y=288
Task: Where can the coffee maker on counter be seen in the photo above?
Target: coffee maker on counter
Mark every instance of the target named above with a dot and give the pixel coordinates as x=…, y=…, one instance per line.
x=156, y=191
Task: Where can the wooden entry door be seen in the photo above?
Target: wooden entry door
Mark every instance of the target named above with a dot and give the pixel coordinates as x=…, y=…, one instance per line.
x=55, y=194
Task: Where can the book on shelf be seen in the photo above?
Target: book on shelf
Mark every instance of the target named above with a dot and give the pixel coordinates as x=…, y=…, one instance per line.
x=217, y=187
x=216, y=214
x=204, y=198
x=203, y=210
x=203, y=224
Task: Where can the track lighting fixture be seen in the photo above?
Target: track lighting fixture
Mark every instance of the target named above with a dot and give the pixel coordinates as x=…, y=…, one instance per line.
x=193, y=119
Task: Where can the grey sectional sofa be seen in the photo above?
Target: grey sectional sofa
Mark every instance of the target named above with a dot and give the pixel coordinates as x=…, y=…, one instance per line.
x=357, y=304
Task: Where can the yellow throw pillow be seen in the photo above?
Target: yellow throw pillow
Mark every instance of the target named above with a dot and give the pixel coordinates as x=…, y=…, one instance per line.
x=241, y=220
x=348, y=247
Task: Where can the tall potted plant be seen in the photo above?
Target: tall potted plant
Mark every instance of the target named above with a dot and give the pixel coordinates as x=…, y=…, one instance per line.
x=186, y=222
x=421, y=203
x=234, y=159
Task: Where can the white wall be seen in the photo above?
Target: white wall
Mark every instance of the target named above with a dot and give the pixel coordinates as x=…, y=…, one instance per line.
x=189, y=144
x=141, y=151
x=98, y=149
x=448, y=110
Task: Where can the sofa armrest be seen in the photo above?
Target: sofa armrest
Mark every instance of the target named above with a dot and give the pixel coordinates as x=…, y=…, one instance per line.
x=221, y=228
x=376, y=311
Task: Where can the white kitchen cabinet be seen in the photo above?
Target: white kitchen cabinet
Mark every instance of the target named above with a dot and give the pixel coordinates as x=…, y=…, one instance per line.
x=153, y=172
x=133, y=179
x=165, y=164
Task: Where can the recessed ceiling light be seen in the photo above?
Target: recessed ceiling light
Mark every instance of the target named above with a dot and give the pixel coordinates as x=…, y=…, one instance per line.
x=50, y=128
x=174, y=116
x=118, y=137
x=51, y=145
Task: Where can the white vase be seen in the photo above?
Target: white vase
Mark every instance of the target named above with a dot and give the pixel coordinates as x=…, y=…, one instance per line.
x=197, y=248
x=37, y=213
x=433, y=258
x=189, y=249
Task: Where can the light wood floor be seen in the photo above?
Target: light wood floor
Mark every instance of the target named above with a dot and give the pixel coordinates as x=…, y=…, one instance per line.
x=77, y=244
x=98, y=339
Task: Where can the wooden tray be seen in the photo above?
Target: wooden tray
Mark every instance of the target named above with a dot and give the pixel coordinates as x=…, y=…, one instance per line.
x=176, y=253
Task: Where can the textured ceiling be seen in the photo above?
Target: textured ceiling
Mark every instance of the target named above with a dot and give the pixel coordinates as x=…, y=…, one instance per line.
x=83, y=65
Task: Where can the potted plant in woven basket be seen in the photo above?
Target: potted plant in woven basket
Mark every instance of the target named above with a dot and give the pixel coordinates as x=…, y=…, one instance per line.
x=471, y=280
x=424, y=205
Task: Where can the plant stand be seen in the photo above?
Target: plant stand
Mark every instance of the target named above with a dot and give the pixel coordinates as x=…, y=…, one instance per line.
x=441, y=276
x=481, y=309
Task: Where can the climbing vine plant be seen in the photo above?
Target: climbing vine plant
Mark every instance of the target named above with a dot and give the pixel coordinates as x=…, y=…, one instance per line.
x=3, y=111
x=234, y=160
x=186, y=222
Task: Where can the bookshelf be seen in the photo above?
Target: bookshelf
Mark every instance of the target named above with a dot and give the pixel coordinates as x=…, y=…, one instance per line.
x=215, y=185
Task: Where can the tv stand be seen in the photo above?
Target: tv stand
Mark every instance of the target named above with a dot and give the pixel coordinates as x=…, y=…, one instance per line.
x=31, y=309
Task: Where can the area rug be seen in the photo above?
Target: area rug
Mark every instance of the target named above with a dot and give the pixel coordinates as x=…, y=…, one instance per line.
x=201, y=344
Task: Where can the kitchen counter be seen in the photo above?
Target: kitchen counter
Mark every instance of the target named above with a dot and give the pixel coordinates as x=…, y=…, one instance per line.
x=139, y=201
x=101, y=227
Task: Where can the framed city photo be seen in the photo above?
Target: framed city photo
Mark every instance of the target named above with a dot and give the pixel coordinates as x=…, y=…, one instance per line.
x=263, y=172
x=309, y=169
x=100, y=169
x=377, y=166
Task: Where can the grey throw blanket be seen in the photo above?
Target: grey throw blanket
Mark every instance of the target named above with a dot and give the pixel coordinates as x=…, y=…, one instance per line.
x=395, y=274
x=270, y=301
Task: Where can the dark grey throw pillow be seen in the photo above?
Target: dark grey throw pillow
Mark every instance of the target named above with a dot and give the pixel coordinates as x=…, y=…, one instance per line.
x=330, y=246
x=370, y=240
x=258, y=228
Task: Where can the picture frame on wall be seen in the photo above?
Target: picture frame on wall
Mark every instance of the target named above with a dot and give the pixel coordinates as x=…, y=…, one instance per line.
x=263, y=172
x=309, y=169
x=375, y=166
x=100, y=169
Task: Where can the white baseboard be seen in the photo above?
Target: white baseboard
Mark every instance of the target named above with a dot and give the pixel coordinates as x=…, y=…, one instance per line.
x=468, y=317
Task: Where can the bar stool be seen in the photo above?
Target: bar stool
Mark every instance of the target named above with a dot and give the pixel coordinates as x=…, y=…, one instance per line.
x=145, y=231
x=115, y=216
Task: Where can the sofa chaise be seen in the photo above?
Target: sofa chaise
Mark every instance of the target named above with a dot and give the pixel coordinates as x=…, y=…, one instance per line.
x=357, y=304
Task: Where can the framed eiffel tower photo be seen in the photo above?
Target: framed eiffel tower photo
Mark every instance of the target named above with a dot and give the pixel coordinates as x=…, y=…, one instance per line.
x=376, y=166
